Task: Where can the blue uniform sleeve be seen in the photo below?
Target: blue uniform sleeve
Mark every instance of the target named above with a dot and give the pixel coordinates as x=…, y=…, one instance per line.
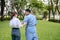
x=25, y=20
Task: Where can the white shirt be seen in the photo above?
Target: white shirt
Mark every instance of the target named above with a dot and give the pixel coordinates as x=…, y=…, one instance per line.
x=15, y=23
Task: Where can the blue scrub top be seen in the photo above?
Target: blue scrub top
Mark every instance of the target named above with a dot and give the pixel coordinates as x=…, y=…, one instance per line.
x=30, y=27
x=31, y=22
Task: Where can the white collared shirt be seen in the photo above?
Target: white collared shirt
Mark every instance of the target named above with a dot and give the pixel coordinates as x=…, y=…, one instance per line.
x=15, y=23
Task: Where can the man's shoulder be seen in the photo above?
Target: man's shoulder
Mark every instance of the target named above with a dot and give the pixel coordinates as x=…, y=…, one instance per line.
x=32, y=15
x=29, y=16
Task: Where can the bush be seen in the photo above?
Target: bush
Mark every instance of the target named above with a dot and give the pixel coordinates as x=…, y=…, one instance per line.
x=7, y=17
x=57, y=21
x=38, y=17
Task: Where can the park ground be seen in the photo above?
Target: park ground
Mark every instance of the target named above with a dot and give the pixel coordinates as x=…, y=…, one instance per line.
x=45, y=31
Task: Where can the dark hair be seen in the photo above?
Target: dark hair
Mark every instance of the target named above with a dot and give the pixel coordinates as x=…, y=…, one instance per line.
x=13, y=14
x=28, y=10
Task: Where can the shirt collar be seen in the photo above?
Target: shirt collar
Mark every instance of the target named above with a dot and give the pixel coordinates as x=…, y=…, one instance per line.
x=14, y=17
x=28, y=14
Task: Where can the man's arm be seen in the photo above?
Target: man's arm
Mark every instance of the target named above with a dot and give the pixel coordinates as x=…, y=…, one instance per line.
x=23, y=24
x=25, y=21
x=19, y=24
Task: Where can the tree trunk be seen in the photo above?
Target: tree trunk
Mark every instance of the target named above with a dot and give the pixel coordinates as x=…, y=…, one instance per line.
x=52, y=5
x=59, y=13
x=57, y=9
x=2, y=9
x=53, y=15
x=49, y=15
x=49, y=9
x=59, y=17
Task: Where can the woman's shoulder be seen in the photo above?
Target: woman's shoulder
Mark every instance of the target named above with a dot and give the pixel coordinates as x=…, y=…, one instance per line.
x=17, y=19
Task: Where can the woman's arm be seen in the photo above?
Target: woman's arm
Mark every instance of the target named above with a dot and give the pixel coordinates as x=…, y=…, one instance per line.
x=19, y=24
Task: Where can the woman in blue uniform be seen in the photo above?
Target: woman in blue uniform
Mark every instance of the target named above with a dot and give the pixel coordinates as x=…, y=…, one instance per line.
x=30, y=22
x=15, y=25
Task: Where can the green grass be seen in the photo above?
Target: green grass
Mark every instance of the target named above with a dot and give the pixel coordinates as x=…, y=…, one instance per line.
x=45, y=31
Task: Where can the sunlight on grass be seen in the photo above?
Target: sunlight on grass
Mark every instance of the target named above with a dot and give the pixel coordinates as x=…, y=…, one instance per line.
x=45, y=30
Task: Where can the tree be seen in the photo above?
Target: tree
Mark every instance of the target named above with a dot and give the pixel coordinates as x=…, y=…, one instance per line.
x=49, y=8
x=36, y=6
x=59, y=11
x=23, y=3
x=57, y=8
x=2, y=9
x=19, y=5
x=52, y=8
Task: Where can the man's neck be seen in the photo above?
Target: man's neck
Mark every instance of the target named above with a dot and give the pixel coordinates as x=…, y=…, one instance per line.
x=27, y=14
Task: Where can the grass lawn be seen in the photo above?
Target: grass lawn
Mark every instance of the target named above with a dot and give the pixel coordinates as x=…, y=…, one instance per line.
x=45, y=31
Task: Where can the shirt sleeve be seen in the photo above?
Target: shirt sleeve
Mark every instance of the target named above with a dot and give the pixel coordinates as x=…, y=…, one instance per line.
x=25, y=20
x=19, y=23
x=11, y=24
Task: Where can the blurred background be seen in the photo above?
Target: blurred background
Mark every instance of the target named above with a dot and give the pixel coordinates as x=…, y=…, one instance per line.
x=43, y=9
x=47, y=13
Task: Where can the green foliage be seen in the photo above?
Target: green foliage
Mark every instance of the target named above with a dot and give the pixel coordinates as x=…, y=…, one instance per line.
x=37, y=4
x=16, y=2
x=20, y=5
x=21, y=2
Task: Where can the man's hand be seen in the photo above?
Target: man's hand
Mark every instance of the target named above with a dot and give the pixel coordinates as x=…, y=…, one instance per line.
x=24, y=24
